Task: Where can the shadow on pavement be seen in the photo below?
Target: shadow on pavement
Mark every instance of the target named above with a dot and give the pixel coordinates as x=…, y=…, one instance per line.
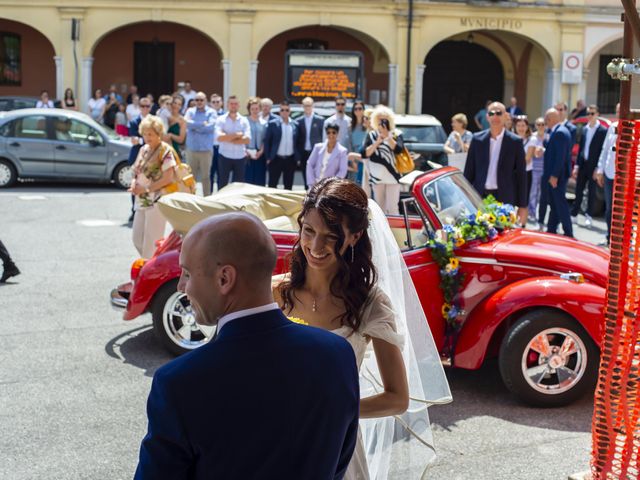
x=481, y=393
x=138, y=347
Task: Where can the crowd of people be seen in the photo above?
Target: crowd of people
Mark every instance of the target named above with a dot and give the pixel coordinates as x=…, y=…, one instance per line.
x=534, y=176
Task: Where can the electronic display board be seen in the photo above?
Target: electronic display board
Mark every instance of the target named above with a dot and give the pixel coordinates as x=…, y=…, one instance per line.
x=322, y=74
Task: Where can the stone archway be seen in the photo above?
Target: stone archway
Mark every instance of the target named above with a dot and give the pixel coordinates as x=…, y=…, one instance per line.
x=448, y=88
x=186, y=53
x=33, y=67
x=271, y=67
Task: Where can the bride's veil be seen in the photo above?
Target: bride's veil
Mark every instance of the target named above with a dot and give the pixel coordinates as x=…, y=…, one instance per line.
x=411, y=431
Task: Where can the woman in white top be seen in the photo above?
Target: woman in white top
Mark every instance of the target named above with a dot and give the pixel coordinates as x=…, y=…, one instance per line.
x=381, y=146
x=44, y=101
x=133, y=109
x=97, y=106
x=460, y=138
x=535, y=155
x=327, y=159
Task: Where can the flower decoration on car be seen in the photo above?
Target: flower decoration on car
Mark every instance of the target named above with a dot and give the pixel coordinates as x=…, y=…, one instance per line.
x=484, y=225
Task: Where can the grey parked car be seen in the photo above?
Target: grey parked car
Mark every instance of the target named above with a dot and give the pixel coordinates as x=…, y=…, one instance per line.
x=60, y=144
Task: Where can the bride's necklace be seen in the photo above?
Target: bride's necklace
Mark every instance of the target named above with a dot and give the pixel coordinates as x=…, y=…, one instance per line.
x=314, y=305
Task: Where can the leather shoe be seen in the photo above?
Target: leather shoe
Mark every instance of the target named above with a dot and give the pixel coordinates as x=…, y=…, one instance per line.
x=9, y=272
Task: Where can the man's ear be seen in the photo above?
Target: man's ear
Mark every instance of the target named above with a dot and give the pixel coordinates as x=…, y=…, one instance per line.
x=226, y=278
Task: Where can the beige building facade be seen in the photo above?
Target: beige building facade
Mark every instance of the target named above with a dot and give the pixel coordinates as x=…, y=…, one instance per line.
x=460, y=54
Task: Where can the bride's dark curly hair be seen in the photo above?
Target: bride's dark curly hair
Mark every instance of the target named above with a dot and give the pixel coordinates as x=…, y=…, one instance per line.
x=337, y=201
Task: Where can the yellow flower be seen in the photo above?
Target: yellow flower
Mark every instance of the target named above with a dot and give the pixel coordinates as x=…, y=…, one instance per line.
x=454, y=262
x=298, y=320
x=502, y=219
x=445, y=310
x=491, y=218
x=512, y=217
x=459, y=241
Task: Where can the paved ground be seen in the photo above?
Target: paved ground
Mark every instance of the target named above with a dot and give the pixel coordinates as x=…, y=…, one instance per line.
x=74, y=377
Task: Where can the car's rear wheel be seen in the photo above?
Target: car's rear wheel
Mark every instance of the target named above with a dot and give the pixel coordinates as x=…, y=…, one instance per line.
x=548, y=359
x=174, y=322
x=123, y=175
x=8, y=174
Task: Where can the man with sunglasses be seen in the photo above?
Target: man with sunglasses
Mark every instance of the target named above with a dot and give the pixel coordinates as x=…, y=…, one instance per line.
x=279, y=140
x=496, y=163
x=201, y=121
x=591, y=141
x=137, y=140
x=309, y=133
x=343, y=121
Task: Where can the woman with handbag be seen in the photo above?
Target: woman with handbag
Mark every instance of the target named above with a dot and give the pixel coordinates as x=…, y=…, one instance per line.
x=154, y=176
x=382, y=144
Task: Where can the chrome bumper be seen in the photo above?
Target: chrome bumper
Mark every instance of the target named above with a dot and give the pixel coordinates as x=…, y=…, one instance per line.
x=118, y=302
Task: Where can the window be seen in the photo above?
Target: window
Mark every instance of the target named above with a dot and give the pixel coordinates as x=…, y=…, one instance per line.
x=10, y=61
x=5, y=130
x=307, y=44
x=34, y=126
x=608, y=88
x=413, y=229
x=422, y=134
x=451, y=196
x=71, y=130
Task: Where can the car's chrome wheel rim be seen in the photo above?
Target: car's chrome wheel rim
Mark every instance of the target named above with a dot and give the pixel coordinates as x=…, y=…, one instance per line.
x=554, y=361
x=5, y=175
x=179, y=322
x=125, y=176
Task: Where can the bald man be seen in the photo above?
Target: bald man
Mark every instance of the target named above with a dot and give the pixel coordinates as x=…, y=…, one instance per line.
x=267, y=398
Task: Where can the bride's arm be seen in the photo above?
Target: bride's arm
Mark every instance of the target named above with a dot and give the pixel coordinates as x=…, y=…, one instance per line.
x=395, y=398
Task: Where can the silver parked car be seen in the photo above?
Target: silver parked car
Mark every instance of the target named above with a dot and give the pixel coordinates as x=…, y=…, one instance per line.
x=60, y=144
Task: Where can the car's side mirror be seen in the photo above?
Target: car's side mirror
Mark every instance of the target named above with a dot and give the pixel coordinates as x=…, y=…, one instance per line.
x=95, y=141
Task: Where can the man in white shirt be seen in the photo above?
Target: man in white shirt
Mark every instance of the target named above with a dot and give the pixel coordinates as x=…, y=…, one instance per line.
x=233, y=134
x=343, y=121
x=591, y=141
x=44, y=101
x=188, y=94
x=279, y=140
x=606, y=172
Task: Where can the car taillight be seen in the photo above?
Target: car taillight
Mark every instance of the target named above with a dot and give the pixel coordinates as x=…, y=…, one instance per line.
x=136, y=266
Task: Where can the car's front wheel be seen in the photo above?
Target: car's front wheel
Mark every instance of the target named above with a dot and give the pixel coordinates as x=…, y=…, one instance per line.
x=8, y=174
x=548, y=359
x=174, y=322
x=123, y=175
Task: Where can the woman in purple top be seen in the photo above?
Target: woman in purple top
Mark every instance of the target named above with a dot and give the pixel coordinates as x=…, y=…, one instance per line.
x=327, y=159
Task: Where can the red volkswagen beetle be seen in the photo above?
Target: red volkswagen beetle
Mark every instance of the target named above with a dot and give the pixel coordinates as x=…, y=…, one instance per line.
x=535, y=300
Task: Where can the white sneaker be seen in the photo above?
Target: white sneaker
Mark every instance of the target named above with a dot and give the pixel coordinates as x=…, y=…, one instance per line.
x=587, y=220
x=574, y=219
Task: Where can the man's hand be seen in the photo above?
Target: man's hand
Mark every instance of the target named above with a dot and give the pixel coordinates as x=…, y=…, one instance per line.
x=599, y=178
x=553, y=181
x=574, y=174
x=523, y=213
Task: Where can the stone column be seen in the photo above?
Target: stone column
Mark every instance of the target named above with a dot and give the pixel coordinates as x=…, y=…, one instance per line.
x=59, y=93
x=393, y=86
x=87, y=83
x=551, y=88
x=253, y=77
x=240, y=55
x=226, y=80
x=417, y=89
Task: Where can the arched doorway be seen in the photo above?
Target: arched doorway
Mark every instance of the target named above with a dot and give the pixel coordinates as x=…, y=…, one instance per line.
x=271, y=67
x=460, y=76
x=27, y=65
x=156, y=56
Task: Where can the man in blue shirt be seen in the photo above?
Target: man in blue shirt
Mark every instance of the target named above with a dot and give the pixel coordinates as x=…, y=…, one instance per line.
x=201, y=121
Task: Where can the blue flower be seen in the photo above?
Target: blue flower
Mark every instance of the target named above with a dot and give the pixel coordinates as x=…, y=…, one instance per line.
x=492, y=233
x=453, y=312
x=448, y=228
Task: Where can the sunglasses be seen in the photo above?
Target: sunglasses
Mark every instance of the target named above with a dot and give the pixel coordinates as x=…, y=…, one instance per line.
x=340, y=104
x=358, y=108
x=495, y=112
x=200, y=100
x=285, y=110
x=145, y=106
x=591, y=114
x=539, y=124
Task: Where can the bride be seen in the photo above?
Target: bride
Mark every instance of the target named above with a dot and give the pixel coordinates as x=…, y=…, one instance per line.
x=347, y=276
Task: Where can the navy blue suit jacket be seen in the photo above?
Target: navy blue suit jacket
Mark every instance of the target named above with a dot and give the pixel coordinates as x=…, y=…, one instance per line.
x=273, y=135
x=595, y=147
x=573, y=130
x=315, y=135
x=512, y=175
x=557, y=155
x=134, y=127
x=268, y=399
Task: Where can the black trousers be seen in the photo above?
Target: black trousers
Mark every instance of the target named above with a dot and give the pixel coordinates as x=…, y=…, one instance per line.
x=304, y=156
x=585, y=179
x=285, y=166
x=5, y=257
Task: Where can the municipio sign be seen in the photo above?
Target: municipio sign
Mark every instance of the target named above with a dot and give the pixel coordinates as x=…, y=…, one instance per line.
x=322, y=74
x=572, y=67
